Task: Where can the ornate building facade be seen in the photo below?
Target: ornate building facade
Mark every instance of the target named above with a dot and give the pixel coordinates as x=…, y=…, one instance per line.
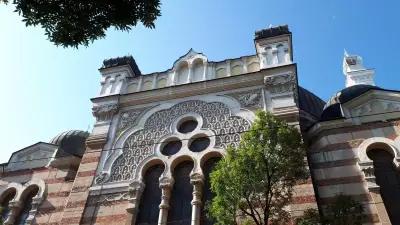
x=158, y=136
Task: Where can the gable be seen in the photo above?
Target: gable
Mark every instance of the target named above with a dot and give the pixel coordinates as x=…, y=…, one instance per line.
x=374, y=105
x=34, y=156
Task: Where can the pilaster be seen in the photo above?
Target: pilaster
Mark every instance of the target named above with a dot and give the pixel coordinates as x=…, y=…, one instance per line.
x=75, y=206
x=135, y=193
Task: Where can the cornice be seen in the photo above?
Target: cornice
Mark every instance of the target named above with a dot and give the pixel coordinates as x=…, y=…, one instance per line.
x=204, y=87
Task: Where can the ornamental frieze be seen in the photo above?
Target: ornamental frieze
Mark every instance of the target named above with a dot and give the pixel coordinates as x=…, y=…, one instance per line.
x=249, y=99
x=108, y=199
x=129, y=119
x=278, y=84
x=105, y=112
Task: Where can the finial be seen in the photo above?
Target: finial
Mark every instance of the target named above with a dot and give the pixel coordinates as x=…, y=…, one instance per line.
x=345, y=53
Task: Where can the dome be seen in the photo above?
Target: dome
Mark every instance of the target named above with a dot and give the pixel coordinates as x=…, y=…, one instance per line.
x=333, y=110
x=70, y=142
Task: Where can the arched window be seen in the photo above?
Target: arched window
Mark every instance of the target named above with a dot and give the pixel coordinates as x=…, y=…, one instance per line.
x=221, y=72
x=161, y=83
x=198, y=70
x=5, y=201
x=147, y=85
x=268, y=55
x=183, y=73
x=208, y=167
x=27, y=204
x=151, y=197
x=281, y=53
x=389, y=181
x=180, y=210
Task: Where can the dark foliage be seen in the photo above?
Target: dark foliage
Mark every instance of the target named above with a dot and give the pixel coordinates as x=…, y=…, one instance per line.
x=343, y=211
x=71, y=23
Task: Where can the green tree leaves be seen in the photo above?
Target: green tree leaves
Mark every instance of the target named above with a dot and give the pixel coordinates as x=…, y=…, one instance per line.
x=71, y=23
x=255, y=181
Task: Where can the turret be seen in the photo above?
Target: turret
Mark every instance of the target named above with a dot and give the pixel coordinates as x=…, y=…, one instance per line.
x=274, y=46
x=355, y=71
x=114, y=73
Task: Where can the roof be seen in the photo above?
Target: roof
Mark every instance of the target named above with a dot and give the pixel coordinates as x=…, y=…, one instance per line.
x=272, y=32
x=71, y=142
x=333, y=108
x=120, y=61
x=310, y=103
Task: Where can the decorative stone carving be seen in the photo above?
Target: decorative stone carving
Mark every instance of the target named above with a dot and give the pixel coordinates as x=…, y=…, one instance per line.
x=375, y=107
x=101, y=178
x=279, y=84
x=140, y=145
x=35, y=205
x=105, y=112
x=15, y=207
x=197, y=180
x=368, y=169
x=251, y=98
x=129, y=119
x=107, y=199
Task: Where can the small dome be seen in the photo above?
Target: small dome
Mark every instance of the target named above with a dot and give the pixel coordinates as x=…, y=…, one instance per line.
x=333, y=109
x=70, y=142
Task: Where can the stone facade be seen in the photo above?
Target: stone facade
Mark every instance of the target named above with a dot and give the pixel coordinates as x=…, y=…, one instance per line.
x=150, y=127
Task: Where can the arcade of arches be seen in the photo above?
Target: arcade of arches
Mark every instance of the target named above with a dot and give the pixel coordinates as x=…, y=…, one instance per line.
x=181, y=199
x=18, y=209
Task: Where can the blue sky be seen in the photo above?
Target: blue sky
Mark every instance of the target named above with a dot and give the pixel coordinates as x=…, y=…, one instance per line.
x=47, y=89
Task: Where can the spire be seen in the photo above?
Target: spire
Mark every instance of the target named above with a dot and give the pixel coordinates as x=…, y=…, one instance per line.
x=355, y=71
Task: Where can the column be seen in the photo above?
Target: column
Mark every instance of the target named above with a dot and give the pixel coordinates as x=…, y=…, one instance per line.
x=15, y=208
x=244, y=63
x=228, y=68
x=154, y=84
x=166, y=186
x=197, y=181
x=172, y=78
x=190, y=73
x=35, y=205
x=205, y=64
x=135, y=193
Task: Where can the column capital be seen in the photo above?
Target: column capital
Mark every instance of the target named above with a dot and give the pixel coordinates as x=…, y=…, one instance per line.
x=166, y=182
x=135, y=191
x=196, y=179
x=15, y=207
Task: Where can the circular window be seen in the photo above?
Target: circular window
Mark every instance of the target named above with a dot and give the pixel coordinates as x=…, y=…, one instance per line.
x=171, y=147
x=187, y=126
x=199, y=144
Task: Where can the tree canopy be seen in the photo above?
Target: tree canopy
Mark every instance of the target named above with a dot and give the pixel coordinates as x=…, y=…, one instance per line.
x=255, y=180
x=71, y=23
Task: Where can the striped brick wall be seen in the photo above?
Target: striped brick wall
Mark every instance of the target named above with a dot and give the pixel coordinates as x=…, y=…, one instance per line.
x=334, y=165
x=303, y=199
x=78, y=197
x=59, y=183
x=102, y=212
